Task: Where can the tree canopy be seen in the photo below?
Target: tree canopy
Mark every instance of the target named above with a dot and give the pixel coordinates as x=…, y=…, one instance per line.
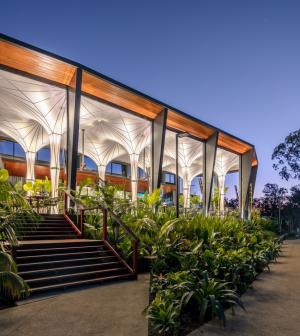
x=287, y=157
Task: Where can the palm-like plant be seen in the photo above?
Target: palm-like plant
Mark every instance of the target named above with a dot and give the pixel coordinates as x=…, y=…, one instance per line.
x=12, y=286
x=14, y=212
x=211, y=295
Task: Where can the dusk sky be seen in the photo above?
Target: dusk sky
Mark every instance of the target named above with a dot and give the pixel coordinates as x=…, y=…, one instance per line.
x=234, y=64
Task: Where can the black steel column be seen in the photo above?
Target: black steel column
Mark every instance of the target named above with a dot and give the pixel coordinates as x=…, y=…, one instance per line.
x=177, y=177
x=73, y=119
x=252, y=184
x=158, y=145
x=209, y=159
x=245, y=180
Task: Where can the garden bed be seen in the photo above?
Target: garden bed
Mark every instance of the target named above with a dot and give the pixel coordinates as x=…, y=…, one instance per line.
x=203, y=268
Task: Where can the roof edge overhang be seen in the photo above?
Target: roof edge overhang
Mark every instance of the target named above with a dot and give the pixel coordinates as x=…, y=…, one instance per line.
x=34, y=61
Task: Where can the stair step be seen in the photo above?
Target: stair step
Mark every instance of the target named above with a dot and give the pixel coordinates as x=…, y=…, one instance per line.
x=57, y=279
x=48, y=237
x=46, y=233
x=53, y=257
x=83, y=282
x=53, y=215
x=54, y=244
x=64, y=263
x=58, y=221
x=55, y=250
x=46, y=228
x=27, y=275
x=53, y=219
x=50, y=224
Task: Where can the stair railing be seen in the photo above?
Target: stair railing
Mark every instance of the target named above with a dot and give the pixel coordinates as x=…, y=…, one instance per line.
x=42, y=203
x=78, y=225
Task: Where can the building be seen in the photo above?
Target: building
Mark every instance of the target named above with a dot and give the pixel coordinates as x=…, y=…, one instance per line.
x=53, y=109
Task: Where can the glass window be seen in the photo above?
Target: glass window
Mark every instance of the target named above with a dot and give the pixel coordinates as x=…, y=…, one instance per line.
x=108, y=168
x=62, y=156
x=89, y=163
x=43, y=155
x=18, y=150
x=116, y=168
x=169, y=178
x=7, y=147
x=141, y=173
x=168, y=197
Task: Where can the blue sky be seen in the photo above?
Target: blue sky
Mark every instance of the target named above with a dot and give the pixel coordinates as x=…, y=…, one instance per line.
x=235, y=64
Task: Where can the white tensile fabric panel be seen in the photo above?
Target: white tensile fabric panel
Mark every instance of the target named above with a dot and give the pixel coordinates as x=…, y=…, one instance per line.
x=30, y=109
x=107, y=126
x=31, y=99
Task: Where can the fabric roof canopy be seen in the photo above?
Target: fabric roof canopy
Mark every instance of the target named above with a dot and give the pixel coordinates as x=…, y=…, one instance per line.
x=29, y=59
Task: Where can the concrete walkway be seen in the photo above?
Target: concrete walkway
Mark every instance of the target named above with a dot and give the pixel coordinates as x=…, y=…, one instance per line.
x=273, y=304
x=114, y=309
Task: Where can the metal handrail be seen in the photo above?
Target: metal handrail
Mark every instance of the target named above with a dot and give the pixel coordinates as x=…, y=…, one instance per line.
x=105, y=210
x=39, y=201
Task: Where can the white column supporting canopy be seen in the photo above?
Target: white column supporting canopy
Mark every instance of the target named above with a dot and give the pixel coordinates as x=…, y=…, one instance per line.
x=225, y=162
x=55, y=140
x=190, y=152
x=30, y=162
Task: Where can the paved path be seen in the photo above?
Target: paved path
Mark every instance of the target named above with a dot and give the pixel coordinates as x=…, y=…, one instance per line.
x=107, y=310
x=273, y=304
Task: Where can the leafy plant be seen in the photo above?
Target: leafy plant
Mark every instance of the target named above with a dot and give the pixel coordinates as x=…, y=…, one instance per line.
x=211, y=296
x=200, y=265
x=38, y=186
x=163, y=314
x=14, y=212
x=12, y=286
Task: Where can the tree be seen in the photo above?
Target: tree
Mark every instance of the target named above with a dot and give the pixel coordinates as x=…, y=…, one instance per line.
x=287, y=157
x=291, y=210
x=294, y=198
x=233, y=203
x=274, y=197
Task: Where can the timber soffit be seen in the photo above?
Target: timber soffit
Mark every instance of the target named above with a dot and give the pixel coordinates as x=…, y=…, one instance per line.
x=24, y=57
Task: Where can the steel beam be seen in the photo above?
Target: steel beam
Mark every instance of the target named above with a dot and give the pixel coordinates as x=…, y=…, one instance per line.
x=247, y=175
x=73, y=119
x=158, y=145
x=177, y=183
x=209, y=159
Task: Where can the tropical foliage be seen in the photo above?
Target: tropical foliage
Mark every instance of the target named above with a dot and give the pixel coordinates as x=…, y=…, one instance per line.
x=200, y=264
x=12, y=286
x=14, y=212
x=39, y=186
